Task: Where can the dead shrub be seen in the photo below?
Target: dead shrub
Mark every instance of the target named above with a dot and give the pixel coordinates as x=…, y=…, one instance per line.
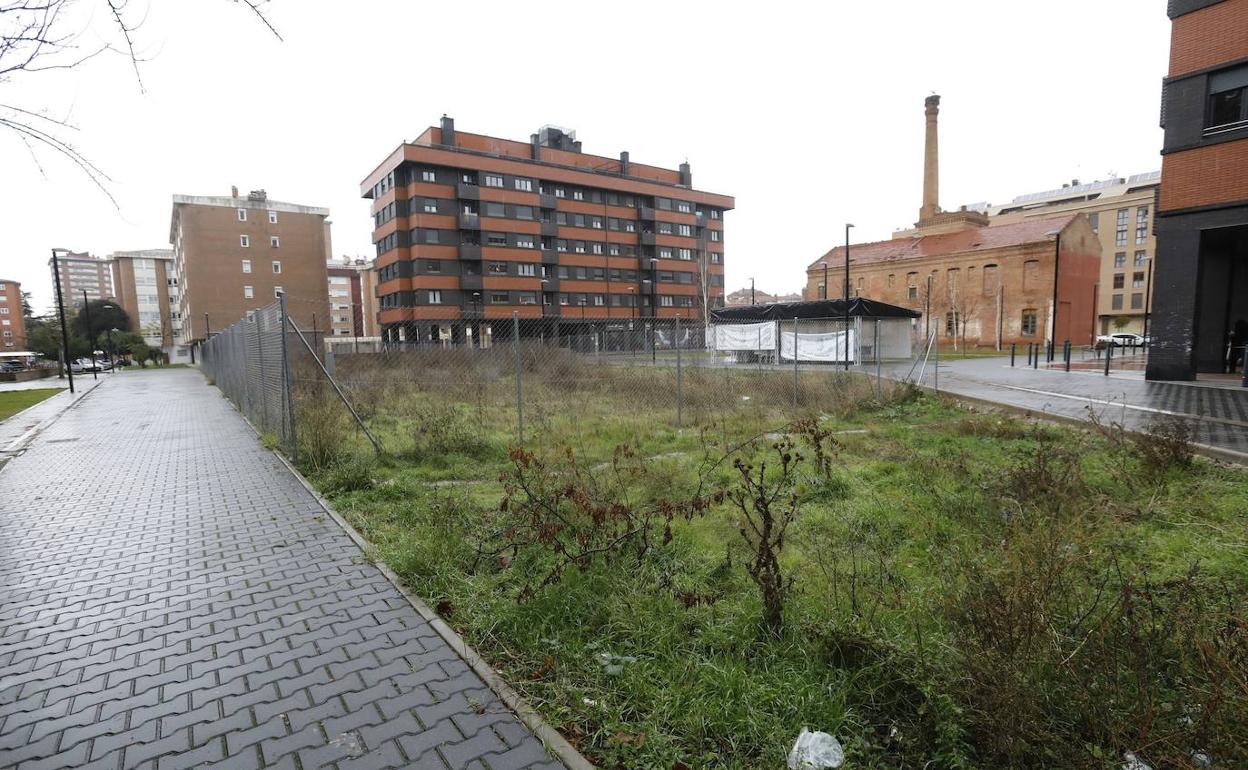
x=1047, y=473
x=321, y=430
x=1166, y=444
x=440, y=429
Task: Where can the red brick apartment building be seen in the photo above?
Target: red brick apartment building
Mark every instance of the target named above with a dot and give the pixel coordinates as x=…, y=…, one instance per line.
x=1200, y=303
x=12, y=320
x=470, y=229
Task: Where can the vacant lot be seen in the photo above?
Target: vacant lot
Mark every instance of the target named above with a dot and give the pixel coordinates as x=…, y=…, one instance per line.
x=14, y=401
x=937, y=588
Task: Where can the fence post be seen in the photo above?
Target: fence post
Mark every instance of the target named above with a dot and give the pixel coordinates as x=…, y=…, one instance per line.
x=288, y=390
x=515, y=347
x=936, y=364
x=795, y=361
x=879, y=387
x=679, y=392
x=264, y=397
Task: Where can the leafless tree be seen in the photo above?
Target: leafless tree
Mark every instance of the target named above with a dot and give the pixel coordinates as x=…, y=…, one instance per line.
x=41, y=36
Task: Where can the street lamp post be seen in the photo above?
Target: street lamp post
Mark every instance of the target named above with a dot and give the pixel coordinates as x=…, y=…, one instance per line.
x=86, y=308
x=751, y=290
x=112, y=358
x=476, y=317
x=847, y=226
x=632, y=312
x=824, y=265
x=60, y=308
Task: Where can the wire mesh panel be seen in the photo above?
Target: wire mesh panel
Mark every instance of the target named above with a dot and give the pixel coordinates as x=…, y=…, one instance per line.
x=246, y=363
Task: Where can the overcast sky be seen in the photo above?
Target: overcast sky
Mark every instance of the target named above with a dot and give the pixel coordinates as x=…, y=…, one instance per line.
x=811, y=114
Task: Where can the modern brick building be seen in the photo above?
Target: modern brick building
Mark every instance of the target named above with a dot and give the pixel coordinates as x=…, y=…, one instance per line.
x=12, y=319
x=146, y=288
x=1201, y=296
x=1120, y=210
x=1028, y=281
x=352, y=298
x=470, y=229
x=83, y=273
x=234, y=254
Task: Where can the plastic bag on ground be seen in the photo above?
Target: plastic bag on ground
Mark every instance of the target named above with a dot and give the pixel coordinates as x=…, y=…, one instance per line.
x=815, y=751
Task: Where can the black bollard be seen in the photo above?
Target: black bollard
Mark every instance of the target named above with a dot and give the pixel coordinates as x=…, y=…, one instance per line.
x=1011, y=355
x=1109, y=354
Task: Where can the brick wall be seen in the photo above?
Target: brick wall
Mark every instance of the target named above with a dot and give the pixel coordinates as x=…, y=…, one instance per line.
x=1209, y=37
x=1205, y=176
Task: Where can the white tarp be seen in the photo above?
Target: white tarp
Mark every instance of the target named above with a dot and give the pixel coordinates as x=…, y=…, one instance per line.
x=818, y=346
x=758, y=336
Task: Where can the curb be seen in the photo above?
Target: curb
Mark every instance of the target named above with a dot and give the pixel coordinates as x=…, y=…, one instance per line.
x=19, y=444
x=1205, y=450
x=554, y=743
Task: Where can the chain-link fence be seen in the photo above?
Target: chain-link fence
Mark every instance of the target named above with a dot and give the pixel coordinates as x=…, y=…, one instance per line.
x=248, y=362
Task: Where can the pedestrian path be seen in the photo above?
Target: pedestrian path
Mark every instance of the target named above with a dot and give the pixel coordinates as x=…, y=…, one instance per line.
x=172, y=597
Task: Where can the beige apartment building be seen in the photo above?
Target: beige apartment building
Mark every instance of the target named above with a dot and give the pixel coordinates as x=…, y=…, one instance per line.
x=146, y=288
x=83, y=273
x=12, y=320
x=233, y=254
x=352, y=298
x=1121, y=211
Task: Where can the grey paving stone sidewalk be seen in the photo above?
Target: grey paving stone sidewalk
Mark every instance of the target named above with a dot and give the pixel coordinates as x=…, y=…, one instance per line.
x=171, y=597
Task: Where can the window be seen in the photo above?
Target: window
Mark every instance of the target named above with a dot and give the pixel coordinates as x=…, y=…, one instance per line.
x=1120, y=259
x=666, y=301
x=274, y=241
x=715, y=235
x=595, y=222
x=497, y=268
x=630, y=226
x=524, y=212
x=682, y=207
x=524, y=241
x=1140, y=258
x=1029, y=322
x=1115, y=302
x=526, y=298
x=951, y=324
x=684, y=230
x=272, y=217
x=992, y=281
x=277, y=292
x=242, y=215
x=435, y=296
x=1228, y=102
x=599, y=300
x=1095, y=218
x=495, y=209
x=526, y=270
x=1137, y=280
x=1120, y=233
x=578, y=195
x=428, y=175
x=433, y=266
x=430, y=206
x=559, y=192
x=499, y=298
x=664, y=228
x=277, y=267
x=244, y=241
x=524, y=185
x=1141, y=225
x=431, y=236
x=596, y=248
x=579, y=247
x=248, y=292
x=1031, y=275
x=684, y=254
x=665, y=252
x=493, y=180
x=246, y=265
x=1119, y=278
x=1137, y=301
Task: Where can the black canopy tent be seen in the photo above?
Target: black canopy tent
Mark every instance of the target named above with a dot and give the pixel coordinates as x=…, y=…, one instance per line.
x=859, y=307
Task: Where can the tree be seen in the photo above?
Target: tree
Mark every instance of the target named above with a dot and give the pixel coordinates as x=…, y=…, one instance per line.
x=38, y=36
x=27, y=310
x=104, y=315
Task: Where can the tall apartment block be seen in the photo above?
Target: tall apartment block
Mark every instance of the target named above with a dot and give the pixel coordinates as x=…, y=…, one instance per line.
x=12, y=320
x=1120, y=210
x=1201, y=299
x=83, y=273
x=238, y=253
x=352, y=298
x=470, y=229
x=146, y=288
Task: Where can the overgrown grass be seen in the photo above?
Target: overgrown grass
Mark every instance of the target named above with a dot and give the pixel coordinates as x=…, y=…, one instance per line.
x=970, y=590
x=14, y=401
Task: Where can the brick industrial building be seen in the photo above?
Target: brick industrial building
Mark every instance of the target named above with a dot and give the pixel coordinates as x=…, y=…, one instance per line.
x=234, y=254
x=145, y=287
x=1027, y=281
x=470, y=229
x=1201, y=296
x=12, y=319
x=83, y=273
x=1120, y=211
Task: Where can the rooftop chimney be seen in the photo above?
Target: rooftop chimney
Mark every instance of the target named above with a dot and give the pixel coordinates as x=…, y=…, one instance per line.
x=624, y=162
x=233, y=191
x=686, y=176
x=931, y=162
x=535, y=146
x=448, y=131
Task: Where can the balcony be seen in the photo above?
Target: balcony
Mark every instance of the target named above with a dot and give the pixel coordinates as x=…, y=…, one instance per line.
x=470, y=251
x=469, y=222
x=547, y=201
x=471, y=282
x=647, y=237
x=550, y=228
x=467, y=192
x=550, y=257
x=645, y=213
x=700, y=220
x=550, y=282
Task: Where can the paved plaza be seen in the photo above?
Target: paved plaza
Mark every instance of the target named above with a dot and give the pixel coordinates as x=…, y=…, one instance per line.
x=172, y=597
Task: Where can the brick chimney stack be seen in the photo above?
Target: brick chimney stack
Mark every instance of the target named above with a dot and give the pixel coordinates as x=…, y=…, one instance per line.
x=931, y=162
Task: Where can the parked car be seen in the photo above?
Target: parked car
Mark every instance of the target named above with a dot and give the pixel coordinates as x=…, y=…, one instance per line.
x=82, y=365
x=1123, y=340
x=11, y=366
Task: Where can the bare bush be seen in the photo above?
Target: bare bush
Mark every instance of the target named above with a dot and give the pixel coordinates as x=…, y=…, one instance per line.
x=1166, y=444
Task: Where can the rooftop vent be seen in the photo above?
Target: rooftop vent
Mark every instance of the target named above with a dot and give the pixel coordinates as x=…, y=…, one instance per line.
x=558, y=138
x=257, y=195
